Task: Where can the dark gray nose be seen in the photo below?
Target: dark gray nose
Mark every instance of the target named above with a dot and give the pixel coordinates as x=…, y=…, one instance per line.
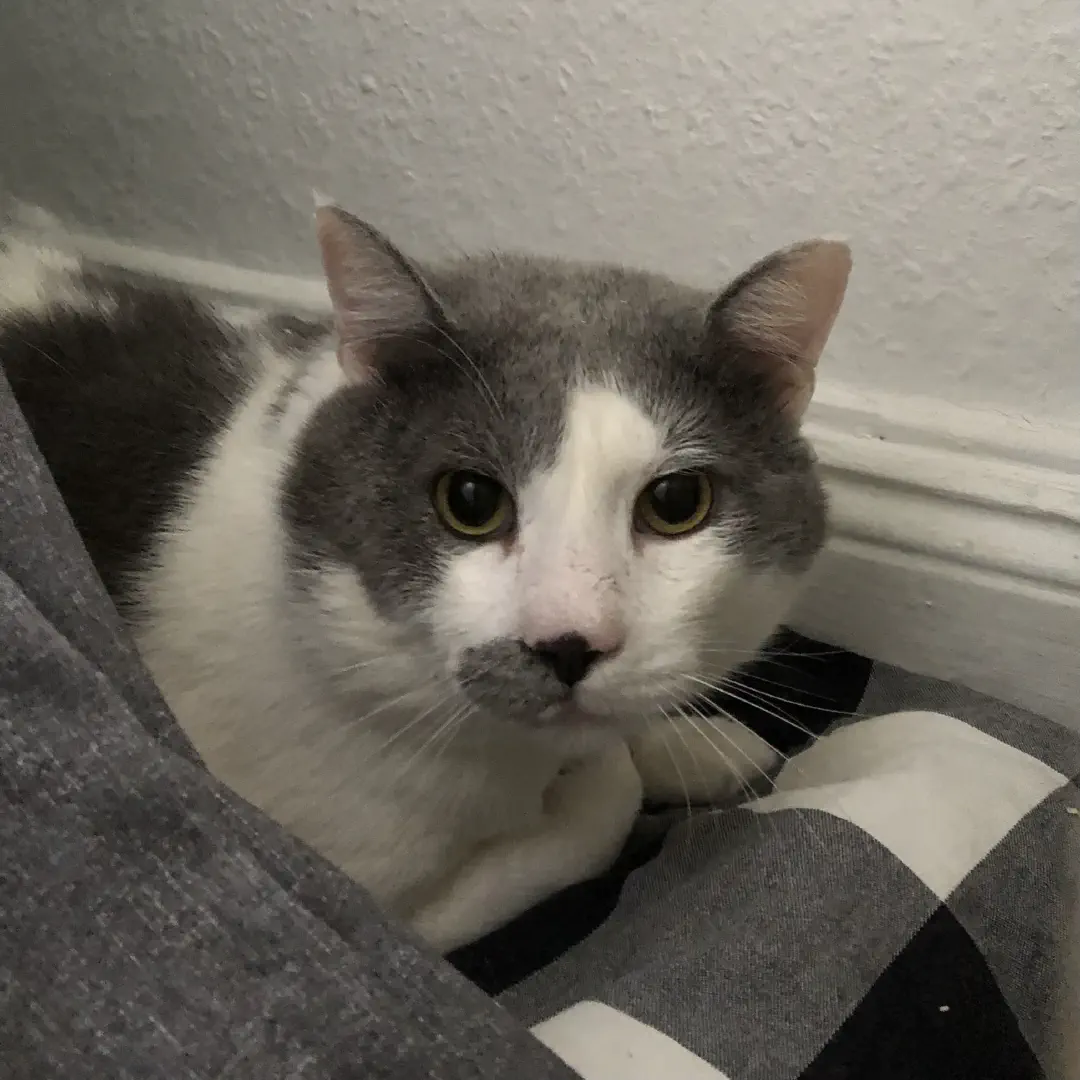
x=569, y=656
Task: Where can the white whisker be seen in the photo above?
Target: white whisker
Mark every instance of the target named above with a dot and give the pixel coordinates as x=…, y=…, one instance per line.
x=391, y=703
x=451, y=721
x=459, y=723
x=438, y=704
x=725, y=689
x=742, y=673
x=787, y=701
x=675, y=761
x=727, y=738
x=747, y=789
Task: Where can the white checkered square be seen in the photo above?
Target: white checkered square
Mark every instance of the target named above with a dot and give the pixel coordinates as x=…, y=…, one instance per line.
x=936, y=792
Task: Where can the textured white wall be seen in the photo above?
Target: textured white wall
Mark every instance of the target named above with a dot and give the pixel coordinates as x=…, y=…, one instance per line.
x=687, y=135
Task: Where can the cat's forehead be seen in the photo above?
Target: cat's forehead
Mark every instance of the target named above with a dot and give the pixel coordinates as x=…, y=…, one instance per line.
x=596, y=310
x=607, y=442
x=532, y=337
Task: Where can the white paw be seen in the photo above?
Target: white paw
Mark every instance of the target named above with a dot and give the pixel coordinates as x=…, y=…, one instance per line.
x=712, y=763
x=594, y=805
x=589, y=811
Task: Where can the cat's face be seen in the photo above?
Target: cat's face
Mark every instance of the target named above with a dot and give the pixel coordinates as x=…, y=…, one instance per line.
x=553, y=492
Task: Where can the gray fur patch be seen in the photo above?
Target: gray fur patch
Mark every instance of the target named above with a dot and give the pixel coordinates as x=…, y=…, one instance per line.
x=124, y=400
x=505, y=678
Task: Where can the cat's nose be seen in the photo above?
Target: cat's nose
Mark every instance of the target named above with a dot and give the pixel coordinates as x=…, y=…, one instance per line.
x=570, y=657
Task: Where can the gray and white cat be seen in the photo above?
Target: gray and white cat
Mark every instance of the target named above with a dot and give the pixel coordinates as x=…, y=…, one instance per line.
x=430, y=583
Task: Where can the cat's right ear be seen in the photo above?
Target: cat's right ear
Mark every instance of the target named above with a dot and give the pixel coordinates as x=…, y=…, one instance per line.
x=375, y=291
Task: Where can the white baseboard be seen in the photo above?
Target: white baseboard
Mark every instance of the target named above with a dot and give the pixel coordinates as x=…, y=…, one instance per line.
x=956, y=549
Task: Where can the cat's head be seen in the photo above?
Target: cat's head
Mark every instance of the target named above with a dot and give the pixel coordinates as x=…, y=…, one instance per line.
x=569, y=495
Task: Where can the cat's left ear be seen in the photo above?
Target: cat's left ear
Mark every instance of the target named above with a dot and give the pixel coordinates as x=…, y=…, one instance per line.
x=778, y=315
x=375, y=291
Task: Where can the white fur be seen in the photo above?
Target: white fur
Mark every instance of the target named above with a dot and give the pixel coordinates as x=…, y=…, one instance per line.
x=588, y=813
x=34, y=279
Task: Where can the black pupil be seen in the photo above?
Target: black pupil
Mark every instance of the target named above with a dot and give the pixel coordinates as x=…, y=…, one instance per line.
x=676, y=498
x=473, y=500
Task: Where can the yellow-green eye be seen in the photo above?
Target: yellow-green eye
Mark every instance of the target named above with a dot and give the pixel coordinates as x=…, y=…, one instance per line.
x=472, y=505
x=675, y=504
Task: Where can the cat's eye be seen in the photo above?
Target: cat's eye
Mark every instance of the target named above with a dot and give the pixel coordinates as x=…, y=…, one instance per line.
x=473, y=505
x=675, y=504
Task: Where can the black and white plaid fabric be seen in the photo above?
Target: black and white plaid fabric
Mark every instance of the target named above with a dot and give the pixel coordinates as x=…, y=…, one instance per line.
x=895, y=908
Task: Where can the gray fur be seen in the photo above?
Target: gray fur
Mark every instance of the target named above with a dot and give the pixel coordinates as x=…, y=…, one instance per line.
x=124, y=397
x=509, y=680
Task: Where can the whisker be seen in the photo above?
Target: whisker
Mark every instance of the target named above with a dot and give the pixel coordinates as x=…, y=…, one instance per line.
x=741, y=673
x=770, y=710
x=429, y=741
x=748, y=791
x=727, y=738
x=722, y=689
x=801, y=813
x=445, y=699
x=756, y=693
x=459, y=723
x=675, y=760
x=770, y=654
x=359, y=665
x=753, y=657
x=390, y=703
x=789, y=762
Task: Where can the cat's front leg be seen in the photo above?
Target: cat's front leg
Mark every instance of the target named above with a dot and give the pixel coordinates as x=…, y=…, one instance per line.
x=588, y=813
x=708, y=762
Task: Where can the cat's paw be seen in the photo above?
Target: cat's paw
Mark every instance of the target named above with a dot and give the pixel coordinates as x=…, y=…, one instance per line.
x=596, y=800
x=589, y=811
x=709, y=763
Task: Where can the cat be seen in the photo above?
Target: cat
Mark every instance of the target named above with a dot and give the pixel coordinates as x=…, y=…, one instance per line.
x=430, y=580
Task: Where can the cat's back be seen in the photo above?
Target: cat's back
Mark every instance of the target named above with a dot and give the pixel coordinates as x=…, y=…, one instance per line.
x=125, y=386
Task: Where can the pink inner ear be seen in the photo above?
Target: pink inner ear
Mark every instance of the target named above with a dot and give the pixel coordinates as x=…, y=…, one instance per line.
x=374, y=290
x=333, y=234
x=355, y=360
x=785, y=315
x=822, y=277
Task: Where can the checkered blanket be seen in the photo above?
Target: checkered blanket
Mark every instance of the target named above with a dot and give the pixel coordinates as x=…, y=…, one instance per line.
x=896, y=908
